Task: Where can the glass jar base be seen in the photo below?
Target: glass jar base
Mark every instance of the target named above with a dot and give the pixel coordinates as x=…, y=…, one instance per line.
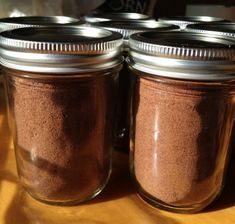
x=70, y=202
x=187, y=209
x=65, y=203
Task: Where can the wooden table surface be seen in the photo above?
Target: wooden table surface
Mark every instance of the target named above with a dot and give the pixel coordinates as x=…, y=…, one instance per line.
x=118, y=203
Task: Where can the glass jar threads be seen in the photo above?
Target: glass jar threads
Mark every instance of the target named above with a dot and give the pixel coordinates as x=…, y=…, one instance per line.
x=182, y=109
x=61, y=85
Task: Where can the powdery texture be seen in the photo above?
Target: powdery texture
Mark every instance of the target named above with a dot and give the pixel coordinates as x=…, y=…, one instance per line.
x=181, y=139
x=63, y=135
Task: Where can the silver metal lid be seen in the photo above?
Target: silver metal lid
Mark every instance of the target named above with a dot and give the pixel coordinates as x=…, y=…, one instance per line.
x=183, y=21
x=60, y=49
x=122, y=16
x=183, y=55
x=224, y=29
x=36, y=21
x=126, y=28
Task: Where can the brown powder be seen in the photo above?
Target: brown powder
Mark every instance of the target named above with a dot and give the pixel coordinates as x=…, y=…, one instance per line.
x=181, y=138
x=63, y=135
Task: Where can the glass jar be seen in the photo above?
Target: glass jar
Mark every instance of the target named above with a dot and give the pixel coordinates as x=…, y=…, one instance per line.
x=126, y=28
x=183, y=21
x=61, y=86
x=95, y=17
x=36, y=21
x=221, y=29
x=182, y=108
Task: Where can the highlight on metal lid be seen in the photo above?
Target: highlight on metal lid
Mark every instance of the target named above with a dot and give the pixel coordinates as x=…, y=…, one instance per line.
x=60, y=49
x=116, y=16
x=36, y=21
x=183, y=21
x=224, y=29
x=183, y=51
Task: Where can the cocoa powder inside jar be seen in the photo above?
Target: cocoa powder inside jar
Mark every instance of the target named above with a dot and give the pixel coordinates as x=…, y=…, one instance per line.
x=63, y=134
x=181, y=137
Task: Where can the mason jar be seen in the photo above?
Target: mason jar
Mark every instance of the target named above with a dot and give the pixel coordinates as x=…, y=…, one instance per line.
x=61, y=85
x=126, y=28
x=183, y=21
x=221, y=29
x=37, y=21
x=182, y=110
x=95, y=17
